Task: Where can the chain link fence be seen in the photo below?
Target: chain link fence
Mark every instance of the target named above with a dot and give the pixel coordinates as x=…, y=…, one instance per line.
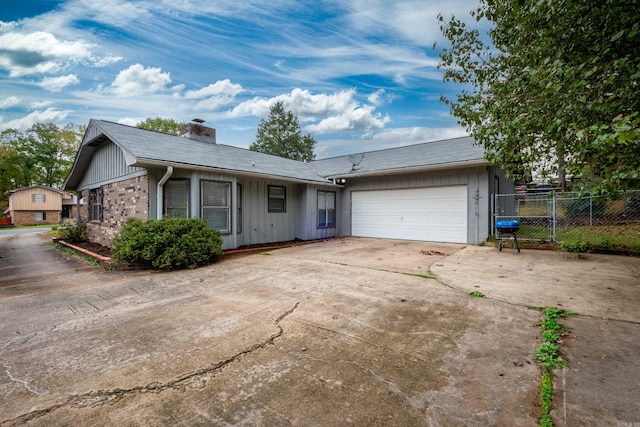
x=541, y=216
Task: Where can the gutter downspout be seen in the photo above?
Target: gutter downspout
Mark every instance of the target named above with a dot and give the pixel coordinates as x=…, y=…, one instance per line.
x=160, y=193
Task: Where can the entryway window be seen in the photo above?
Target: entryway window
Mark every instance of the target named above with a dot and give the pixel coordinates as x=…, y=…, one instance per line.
x=215, y=204
x=326, y=209
x=176, y=198
x=95, y=204
x=277, y=198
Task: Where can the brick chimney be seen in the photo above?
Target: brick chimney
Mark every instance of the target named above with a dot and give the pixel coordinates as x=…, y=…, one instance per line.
x=196, y=130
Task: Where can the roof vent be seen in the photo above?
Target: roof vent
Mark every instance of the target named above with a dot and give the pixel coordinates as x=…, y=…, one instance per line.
x=196, y=130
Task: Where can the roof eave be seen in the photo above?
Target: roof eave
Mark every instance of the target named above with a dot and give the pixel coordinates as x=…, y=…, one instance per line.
x=142, y=162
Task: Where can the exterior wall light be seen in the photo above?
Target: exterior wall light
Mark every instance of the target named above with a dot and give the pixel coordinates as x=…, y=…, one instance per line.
x=341, y=181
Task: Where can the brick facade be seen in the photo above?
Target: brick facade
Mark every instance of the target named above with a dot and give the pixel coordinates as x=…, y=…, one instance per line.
x=121, y=200
x=29, y=218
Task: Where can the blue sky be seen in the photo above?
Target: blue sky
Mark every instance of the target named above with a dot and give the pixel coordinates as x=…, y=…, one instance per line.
x=360, y=74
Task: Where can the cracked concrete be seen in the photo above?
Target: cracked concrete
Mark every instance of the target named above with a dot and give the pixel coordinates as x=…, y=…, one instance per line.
x=336, y=333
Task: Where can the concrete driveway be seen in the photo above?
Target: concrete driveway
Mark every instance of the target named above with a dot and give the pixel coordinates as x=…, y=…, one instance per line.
x=347, y=331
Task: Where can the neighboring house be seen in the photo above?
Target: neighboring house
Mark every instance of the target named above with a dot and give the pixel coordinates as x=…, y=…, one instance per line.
x=40, y=205
x=437, y=191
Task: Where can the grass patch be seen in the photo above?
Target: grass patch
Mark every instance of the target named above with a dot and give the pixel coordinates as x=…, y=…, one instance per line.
x=604, y=239
x=64, y=249
x=476, y=294
x=90, y=260
x=548, y=357
x=87, y=258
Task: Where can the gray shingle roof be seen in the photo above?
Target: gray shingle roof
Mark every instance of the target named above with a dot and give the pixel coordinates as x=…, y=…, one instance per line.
x=147, y=148
x=429, y=155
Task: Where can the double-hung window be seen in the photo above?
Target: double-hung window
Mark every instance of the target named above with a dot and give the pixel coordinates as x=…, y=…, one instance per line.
x=38, y=198
x=215, y=204
x=326, y=209
x=277, y=198
x=176, y=198
x=40, y=216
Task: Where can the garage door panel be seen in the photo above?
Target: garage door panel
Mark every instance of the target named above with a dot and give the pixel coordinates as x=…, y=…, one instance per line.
x=431, y=213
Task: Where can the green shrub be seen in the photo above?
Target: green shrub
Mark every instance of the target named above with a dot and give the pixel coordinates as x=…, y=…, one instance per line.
x=72, y=233
x=167, y=243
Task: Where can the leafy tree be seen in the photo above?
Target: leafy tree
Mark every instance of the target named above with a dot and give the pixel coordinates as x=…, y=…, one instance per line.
x=8, y=171
x=554, y=88
x=158, y=124
x=280, y=135
x=42, y=155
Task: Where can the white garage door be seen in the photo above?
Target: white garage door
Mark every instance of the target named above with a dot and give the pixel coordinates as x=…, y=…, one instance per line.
x=435, y=214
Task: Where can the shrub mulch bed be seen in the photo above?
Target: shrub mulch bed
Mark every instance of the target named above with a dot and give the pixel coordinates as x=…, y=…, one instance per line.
x=95, y=248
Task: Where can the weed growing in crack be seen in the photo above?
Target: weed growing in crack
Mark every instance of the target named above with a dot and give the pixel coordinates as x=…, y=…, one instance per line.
x=476, y=294
x=548, y=357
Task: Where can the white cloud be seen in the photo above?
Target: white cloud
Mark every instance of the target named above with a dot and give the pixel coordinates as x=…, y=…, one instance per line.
x=38, y=116
x=137, y=80
x=9, y=102
x=130, y=121
x=414, y=135
x=374, y=98
x=335, y=112
x=106, y=60
x=38, y=52
x=354, y=119
x=117, y=13
x=216, y=95
x=56, y=84
x=38, y=105
x=414, y=20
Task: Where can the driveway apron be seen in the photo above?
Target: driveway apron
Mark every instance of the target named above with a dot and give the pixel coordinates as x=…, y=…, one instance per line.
x=347, y=331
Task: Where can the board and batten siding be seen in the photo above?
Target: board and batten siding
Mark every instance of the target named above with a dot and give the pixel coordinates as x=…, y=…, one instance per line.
x=476, y=180
x=308, y=223
x=108, y=165
x=259, y=226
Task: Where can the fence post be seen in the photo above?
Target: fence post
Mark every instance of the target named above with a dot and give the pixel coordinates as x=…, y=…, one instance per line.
x=554, y=216
x=494, y=203
x=590, y=211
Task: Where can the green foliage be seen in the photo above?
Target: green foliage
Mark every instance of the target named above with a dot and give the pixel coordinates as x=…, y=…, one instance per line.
x=546, y=395
x=280, y=135
x=42, y=155
x=64, y=249
x=476, y=294
x=585, y=207
x=158, y=124
x=167, y=243
x=548, y=355
x=72, y=233
x=623, y=239
x=553, y=89
x=90, y=260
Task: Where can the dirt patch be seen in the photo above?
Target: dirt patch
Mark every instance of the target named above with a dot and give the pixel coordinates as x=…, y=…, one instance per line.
x=95, y=248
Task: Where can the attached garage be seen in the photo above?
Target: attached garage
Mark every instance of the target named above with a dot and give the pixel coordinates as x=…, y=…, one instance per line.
x=436, y=214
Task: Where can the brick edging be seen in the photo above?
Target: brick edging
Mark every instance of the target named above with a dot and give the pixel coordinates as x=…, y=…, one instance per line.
x=84, y=251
